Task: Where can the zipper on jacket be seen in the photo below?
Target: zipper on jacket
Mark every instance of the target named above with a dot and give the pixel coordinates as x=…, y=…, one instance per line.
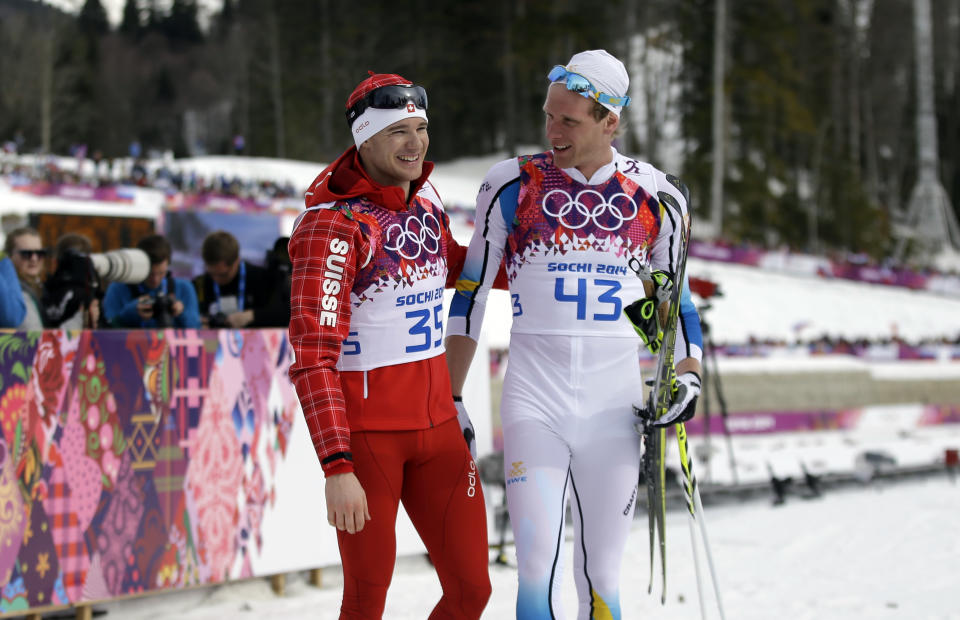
x=364, y=385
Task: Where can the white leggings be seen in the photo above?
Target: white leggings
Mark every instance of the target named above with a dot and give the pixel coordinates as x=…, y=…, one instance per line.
x=568, y=435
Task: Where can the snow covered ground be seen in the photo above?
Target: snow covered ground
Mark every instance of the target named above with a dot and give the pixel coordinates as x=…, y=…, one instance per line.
x=890, y=551
x=766, y=304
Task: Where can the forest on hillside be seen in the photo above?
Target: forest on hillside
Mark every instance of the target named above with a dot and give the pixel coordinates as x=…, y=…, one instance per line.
x=820, y=94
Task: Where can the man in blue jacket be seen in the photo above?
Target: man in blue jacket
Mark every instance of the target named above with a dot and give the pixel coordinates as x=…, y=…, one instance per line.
x=12, y=309
x=159, y=301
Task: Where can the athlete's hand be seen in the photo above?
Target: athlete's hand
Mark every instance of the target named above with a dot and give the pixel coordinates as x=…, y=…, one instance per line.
x=346, y=503
x=685, y=393
x=469, y=435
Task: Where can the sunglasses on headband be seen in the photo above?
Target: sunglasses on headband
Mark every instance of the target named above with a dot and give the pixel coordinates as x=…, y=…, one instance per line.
x=391, y=97
x=579, y=84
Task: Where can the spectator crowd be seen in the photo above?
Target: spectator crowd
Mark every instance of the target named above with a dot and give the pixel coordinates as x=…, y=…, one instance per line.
x=63, y=288
x=99, y=172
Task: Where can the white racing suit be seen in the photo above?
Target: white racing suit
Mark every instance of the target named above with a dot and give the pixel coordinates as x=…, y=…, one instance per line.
x=573, y=373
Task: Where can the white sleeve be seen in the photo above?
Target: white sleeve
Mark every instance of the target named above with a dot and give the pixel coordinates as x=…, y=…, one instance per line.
x=496, y=203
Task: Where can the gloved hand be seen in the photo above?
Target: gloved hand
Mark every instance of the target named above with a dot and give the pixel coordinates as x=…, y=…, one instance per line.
x=686, y=390
x=466, y=426
x=685, y=393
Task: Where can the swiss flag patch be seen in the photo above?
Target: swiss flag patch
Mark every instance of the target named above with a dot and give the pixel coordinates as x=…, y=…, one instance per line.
x=411, y=108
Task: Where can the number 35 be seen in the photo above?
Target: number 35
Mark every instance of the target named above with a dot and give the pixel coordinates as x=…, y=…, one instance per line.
x=422, y=329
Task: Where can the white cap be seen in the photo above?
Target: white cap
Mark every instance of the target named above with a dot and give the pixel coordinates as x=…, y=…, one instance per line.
x=605, y=72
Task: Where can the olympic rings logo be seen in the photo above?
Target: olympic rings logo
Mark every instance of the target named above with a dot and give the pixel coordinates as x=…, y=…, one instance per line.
x=590, y=206
x=408, y=238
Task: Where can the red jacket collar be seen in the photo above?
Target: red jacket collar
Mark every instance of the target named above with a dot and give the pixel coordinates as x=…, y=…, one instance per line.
x=346, y=178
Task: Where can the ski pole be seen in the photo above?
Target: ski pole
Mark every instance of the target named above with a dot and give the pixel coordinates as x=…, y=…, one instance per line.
x=695, y=508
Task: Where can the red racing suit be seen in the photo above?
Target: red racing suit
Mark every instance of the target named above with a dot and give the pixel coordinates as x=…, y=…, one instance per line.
x=366, y=326
x=349, y=210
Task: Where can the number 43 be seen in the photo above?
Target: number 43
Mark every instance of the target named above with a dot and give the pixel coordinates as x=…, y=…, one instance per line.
x=606, y=296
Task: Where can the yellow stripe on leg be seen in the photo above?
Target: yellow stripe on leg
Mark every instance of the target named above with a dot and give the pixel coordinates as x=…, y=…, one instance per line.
x=600, y=609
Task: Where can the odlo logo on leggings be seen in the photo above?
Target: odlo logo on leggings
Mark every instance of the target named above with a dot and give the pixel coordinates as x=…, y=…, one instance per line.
x=472, y=479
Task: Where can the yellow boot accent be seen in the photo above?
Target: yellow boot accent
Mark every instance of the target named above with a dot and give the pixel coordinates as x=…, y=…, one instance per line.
x=600, y=609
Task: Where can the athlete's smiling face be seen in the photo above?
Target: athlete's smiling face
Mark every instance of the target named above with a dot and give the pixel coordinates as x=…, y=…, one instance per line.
x=578, y=139
x=394, y=155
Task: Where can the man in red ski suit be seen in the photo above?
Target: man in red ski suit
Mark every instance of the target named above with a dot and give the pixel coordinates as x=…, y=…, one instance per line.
x=371, y=256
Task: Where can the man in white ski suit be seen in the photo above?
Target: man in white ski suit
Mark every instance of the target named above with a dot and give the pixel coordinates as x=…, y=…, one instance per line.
x=565, y=223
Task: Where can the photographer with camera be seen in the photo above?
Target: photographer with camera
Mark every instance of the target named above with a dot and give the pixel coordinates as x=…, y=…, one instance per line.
x=159, y=301
x=71, y=295
x=234, y=293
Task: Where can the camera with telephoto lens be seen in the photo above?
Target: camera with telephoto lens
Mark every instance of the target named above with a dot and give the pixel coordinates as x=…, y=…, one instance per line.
x=80, y=278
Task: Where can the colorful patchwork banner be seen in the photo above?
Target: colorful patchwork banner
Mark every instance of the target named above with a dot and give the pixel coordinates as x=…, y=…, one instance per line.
x=140, y=460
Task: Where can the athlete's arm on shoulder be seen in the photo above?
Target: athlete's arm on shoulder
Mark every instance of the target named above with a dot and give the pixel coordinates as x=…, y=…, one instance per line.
x=496, y=204
x=501, y=176
x=326, y=250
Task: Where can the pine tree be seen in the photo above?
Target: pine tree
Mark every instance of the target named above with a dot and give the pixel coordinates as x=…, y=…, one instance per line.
x=181, y=25
x=93, y=19
x=130, y=25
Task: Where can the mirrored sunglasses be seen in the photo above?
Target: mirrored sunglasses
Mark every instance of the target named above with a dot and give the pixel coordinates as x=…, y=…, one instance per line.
x=392, y=97
x=579, y=84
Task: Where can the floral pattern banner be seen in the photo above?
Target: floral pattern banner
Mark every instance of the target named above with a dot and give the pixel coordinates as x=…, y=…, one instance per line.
x=138, y=460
